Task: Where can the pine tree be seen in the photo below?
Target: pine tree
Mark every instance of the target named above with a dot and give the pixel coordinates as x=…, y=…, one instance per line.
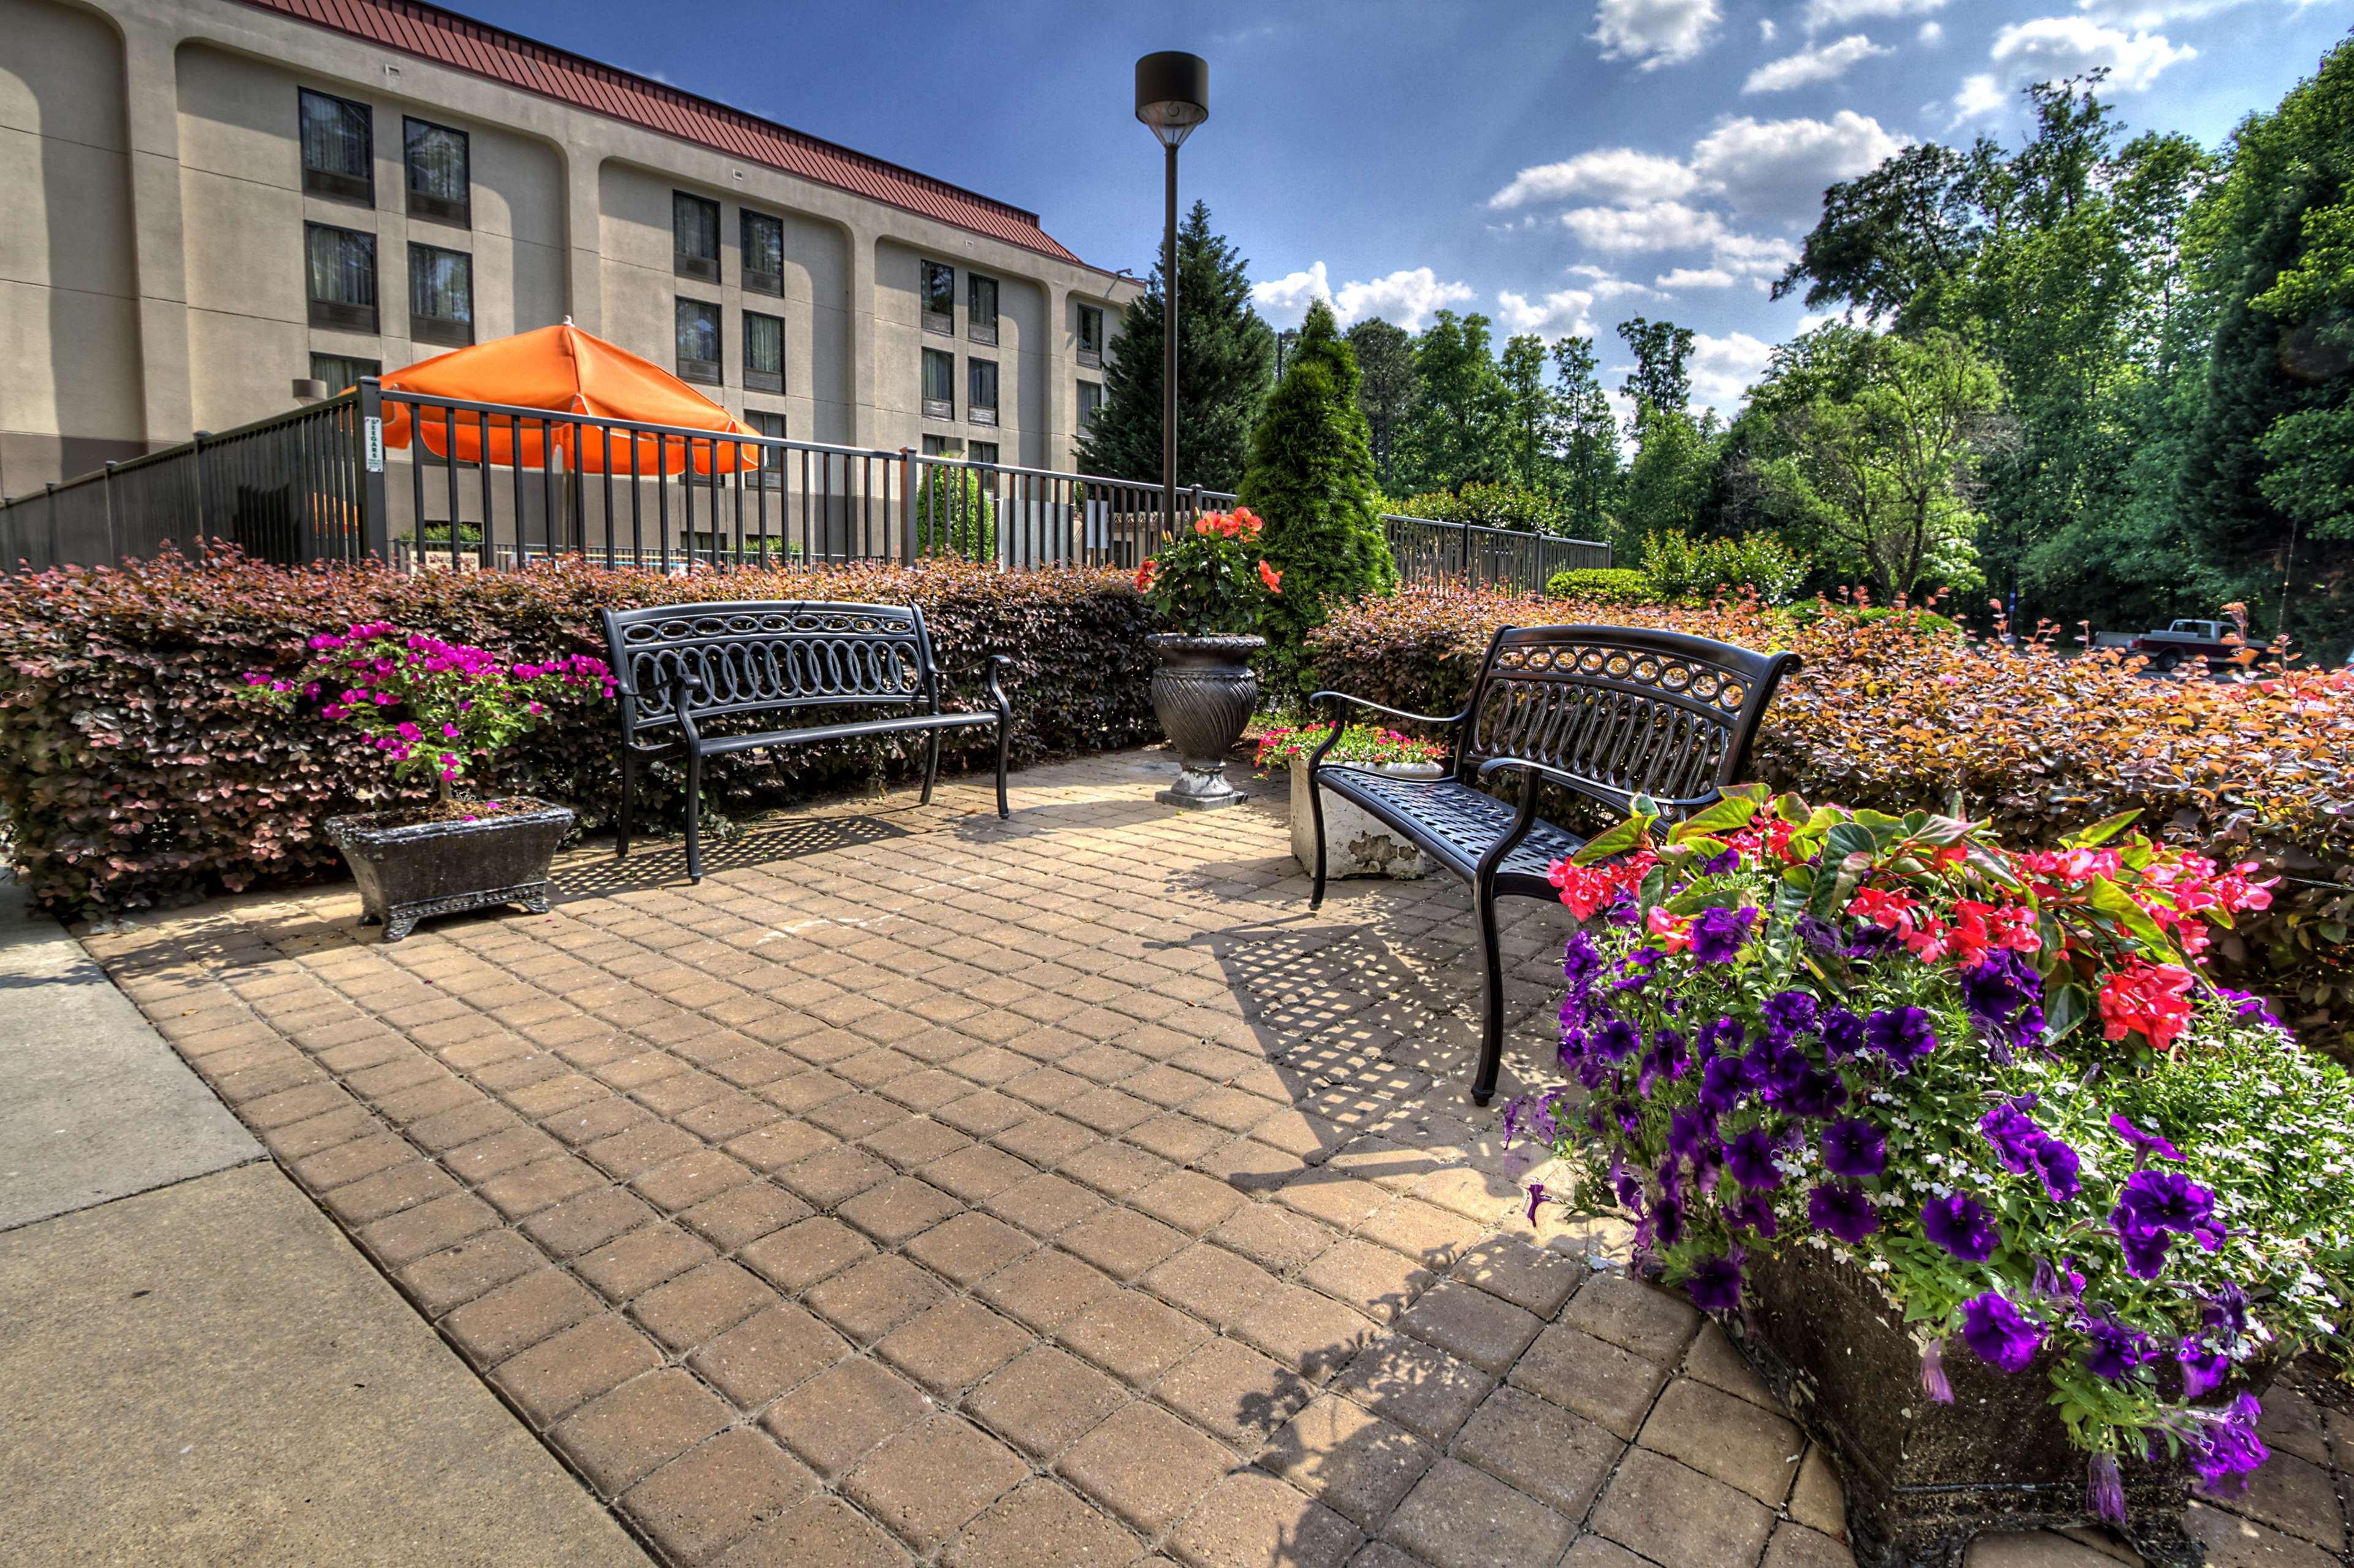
x=1525, y=413
x=1311, y=482
x=1455, y=437
x=1225, y=358
x=1387, y=392
x=1585, y=436
x=1660, y=379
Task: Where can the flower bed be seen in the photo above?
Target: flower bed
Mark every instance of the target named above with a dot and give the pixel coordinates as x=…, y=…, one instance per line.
x=1995, y=1082
x=131, y=771
x=2029, y=738
x=1359, y=743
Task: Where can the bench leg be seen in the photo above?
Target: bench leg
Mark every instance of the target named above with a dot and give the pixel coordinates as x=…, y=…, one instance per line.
x=1492, y=1016
x=1004, y=748
x=931, y=768
x=695, y=816
x=1316, y=809
x=629, y=788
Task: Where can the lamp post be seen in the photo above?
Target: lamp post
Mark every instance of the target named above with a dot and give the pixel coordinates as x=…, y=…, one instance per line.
x=1172, y=96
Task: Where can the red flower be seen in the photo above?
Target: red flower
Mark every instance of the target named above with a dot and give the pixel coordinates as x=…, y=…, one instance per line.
x=1271, y=578
x=2150, y=998
x=1145, y=574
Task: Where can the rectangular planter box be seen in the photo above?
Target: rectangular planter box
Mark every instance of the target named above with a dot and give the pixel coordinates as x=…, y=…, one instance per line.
x=409, y=870
x=1359, y=844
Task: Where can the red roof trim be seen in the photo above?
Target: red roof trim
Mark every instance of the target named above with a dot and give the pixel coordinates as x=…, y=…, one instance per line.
x=446, y=38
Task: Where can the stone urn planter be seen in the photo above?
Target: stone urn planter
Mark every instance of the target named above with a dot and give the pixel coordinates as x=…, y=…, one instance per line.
x=411, y=867
x=1203, y=694
x=1357, y=843
x=1923, y=1479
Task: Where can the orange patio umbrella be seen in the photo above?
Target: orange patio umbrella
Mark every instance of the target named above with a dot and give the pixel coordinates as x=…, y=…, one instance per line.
x=563, y=370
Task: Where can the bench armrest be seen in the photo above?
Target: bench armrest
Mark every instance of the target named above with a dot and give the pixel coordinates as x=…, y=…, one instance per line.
x=1340, y=697
x=995, y=681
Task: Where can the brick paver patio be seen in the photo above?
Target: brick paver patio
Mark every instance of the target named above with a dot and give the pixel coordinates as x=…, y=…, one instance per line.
x=1051, y=1192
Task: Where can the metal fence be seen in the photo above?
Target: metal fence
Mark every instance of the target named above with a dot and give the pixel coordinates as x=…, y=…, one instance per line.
x=476, y=486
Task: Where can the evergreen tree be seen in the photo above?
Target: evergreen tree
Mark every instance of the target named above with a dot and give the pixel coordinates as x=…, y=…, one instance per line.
x=1387, y=391
x=1668, y=482
x=1225, y=358
x=1660, y=379
x=1311, y=482
x=1586, y=442
x=1525, y=412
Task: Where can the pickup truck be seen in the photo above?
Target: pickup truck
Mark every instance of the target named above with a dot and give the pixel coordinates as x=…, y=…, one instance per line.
x=2189, y=639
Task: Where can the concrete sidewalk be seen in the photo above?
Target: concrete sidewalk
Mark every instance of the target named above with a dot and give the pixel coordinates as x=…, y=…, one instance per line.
x=201, y=1369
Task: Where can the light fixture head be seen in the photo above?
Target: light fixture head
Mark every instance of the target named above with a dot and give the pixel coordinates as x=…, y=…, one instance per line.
x=308, y=389
x=1172, y=94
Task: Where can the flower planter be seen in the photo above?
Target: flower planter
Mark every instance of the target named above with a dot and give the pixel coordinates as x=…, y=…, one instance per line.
x=409, y=870
x=1922, y=1477
x=1357, y=843
x=1203, y=694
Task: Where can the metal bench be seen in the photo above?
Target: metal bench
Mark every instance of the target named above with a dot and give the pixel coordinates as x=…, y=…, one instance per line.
x=679, y=667
x=1609, y=712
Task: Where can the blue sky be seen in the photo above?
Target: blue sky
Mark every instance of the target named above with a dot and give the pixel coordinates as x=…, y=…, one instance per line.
x=1558, y=164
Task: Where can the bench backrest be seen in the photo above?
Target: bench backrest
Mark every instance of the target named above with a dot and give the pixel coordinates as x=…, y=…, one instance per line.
x=1619, y=710
x=760, y=657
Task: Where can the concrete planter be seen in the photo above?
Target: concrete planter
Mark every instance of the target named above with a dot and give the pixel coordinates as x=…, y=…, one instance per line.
x=411, y=870
x=1358, y=843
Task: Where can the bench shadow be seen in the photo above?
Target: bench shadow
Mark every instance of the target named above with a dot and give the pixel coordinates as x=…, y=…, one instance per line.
x=592, y=870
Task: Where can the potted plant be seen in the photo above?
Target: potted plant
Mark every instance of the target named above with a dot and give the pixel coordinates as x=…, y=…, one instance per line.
x=1212, y=584
x=2013, y=1207
x=1359, y=844
x=441, y=711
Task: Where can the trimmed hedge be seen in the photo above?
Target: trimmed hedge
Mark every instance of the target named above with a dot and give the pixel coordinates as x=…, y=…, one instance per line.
x=130, y=774
x=1602, y=585
x=2041, y=742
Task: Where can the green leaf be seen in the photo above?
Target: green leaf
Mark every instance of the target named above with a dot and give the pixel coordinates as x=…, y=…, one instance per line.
x=1850, y=839
x=2113, y=901
x=1732, y=812
x=2066, y=1006
x=1617, y=840
x=2101, y=832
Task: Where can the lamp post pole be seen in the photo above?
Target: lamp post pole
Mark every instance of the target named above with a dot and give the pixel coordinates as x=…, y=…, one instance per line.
x=1172, y=96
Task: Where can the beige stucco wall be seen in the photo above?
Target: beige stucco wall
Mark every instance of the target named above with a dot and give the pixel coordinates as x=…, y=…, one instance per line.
x=151, y=269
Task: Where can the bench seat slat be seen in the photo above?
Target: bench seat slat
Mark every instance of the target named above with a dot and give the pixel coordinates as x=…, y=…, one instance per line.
x=1454, y=823
x=714, y=745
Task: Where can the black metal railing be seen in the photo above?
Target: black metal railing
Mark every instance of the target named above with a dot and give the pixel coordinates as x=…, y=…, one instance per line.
x=462, y=486
x=288, y=488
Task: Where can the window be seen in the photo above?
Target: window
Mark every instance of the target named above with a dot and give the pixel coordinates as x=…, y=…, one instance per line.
x=1090, y=403
x=943, y=446
x=764, y=353
x=940, y=384
x=440, y=172
x=341, y=277
x=764, y=253
x=980, y=391
x=440, y=295
x=772, y=461
x=338, y=147
x=698, y=341
x=341, y=372
x=981, y=308
x=939, y=297
x=1090, y=335
x=694, y=237
x=985, y=451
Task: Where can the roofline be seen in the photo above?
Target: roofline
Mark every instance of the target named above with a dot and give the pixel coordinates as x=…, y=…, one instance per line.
x=458, y=21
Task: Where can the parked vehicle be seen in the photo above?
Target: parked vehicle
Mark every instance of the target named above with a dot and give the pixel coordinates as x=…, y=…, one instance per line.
x=2190, y=640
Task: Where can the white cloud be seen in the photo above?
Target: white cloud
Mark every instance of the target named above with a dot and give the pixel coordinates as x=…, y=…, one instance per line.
x=1756, y=256
x=1724, y=368
x=2048, y=48
x=1780, y=167
x=1980, y=94
x=1649, y=226
x=1821, y=14
x=1604, y=284
x=1767, y=30
x=1654, y=32
x=1559, y=314
x=2147, y=14
x=1406, y=297
x=1930, y=35
x=1696, y=278
x=1813, y=64
x=1607, y=174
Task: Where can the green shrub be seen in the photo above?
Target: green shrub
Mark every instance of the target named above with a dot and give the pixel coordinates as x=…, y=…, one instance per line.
x=1683, y=569
x=956, y=515
x=1486, y=505
x=2037, y=742
x=131, y=773
x=1602, y=585
x=1921, y=622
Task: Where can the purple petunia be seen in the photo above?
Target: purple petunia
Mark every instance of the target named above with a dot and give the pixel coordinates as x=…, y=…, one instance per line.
x=1960, y=1224
x=1723, y=1084
x=1814, y=1094
x=2056, y=1165
x=1717, y=934
x=2145, y=1146
x=1933, y=1373
x=1581, y=962
x=2112, y=1350
x=1843, y=1209
x=2013, y=1133
x=1998, y=1333
x=2248, y=1004
x=2145, y=1252
x=2227, y=1444
x=1816, y=932
x=1750, y=1157
x=1854, y=1146
x=1688, y=1128
x=1668, y=1219
x=1666, y=1059
x=1635, y=970
x=2003, y=995
x=1714, y=1284
x=2163, y=1200
x=1903, y=1035
x=1841, y=1032
x=1790, y=1011
x=1754, y=1211
x=2203, y=1369
x=1615, y=1040
x=2104, y=1488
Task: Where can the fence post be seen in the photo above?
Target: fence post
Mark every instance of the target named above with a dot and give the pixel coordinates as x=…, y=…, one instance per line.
x=56, y=540
x=196, y=442
x=907, y=506
x=113, y=533
x=375, y=526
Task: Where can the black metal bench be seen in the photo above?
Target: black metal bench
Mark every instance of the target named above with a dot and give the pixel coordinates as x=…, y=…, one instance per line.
x=679, y=666
x=1609, y=711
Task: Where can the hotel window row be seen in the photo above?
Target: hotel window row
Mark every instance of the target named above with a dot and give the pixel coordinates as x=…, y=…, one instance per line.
x=338, y=141
x=695, y=244
x=339, y=159
x=701, y=357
